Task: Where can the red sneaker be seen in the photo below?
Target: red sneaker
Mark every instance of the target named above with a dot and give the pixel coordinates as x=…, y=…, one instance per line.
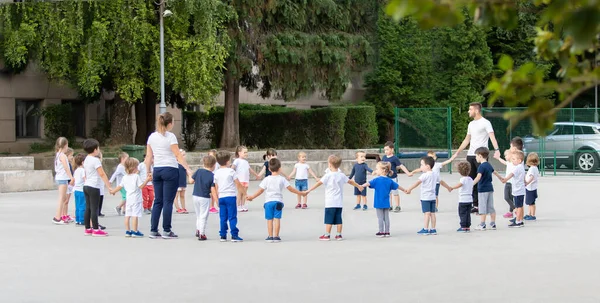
x=304, y=206
x=339, y=237
x=180, y=211
x=99, y=233
x=298, y=206
x=324, y=238
x=185, y=211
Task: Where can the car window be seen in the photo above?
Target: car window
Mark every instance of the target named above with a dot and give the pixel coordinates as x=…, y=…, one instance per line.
x=555, y=131
x=578, y=130
x=565, y=130
x=588, y=130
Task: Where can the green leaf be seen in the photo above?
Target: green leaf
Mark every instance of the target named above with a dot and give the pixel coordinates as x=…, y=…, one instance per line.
x=505, y=63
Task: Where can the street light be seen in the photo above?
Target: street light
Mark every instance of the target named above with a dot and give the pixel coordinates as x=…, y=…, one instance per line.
x=163, y=13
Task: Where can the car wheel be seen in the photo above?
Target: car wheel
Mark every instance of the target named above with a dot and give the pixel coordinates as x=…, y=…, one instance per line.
x=587, y=161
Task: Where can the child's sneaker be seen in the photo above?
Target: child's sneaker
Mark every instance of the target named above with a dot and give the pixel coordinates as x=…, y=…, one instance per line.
x=276, y=239
x=532, y=218
x=180, y=211
x=213, y=210
x=202, y=238
x=356, y=207
x=365, y=207
x=101, y=227
x=154, y=235
x=185, y=211
x=463, y=230
x=508, y=215
x=397, y=209
x=432, y=232
x=298, y=206
x=423, y=232
x=78, y=223
x=223, y=239
x=128, y=234
x=380, y=235
x=493, y=226
x=515, y=224
x=513, y=220
x=391, y=208
x=236, y=239
x=339, y=237
x=480, y=226
x=269, y=239
x=197, y=233
x=99, y=233
x=304, y=206
x=87, y=232
x=325, y=238
x=387, y=235
x=137, y=234
x=118, y=210
x=170, y=235
x=58, y=221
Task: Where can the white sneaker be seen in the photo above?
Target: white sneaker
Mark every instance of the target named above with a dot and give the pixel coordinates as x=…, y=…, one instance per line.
x=244, y=208
x=240, y=209
x=480, y=227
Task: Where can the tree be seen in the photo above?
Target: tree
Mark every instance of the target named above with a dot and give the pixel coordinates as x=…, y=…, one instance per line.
x=293, y=48
x=113, y=45
x=566, y=32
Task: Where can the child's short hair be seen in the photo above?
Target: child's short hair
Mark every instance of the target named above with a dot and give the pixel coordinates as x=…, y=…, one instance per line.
x=517, y=142
x=213, y=152
x=335, y=161
x=483, y=152
x=131, y=165
x=301, y=154
x=90, y=145
x=223, y=157
x=209, y=161
x=519, y=154
x=464, y=168
x=389, y=144
x=428, y=161
x=533, y=159
x=69, y=151
x=274, y=165
x=432, y=154
x=385, y=166
x=271, y=152
x=123, y=155
x=79, y=158
x=358, y=153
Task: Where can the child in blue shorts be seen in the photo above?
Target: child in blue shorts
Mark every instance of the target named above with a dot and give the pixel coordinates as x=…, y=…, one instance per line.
x=273, y=185
x=427, y=181
x=359, y=172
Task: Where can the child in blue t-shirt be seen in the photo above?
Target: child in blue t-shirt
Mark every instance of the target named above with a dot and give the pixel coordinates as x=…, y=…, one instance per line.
x=204, y=192
x=485, y=188
x=393, y=174
x=383, y=186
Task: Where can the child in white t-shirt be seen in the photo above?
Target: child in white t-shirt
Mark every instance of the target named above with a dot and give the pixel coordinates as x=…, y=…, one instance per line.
x=301, y=171
x=243, y=170
x=334, y=196
x=273, y=185
x=531, y=185
x=518, y=186
x=79, y=176
x=465, y=196
x=437, y=169
x=227, y=186
x=133, y=184
x=427, y=181
x=214, y=202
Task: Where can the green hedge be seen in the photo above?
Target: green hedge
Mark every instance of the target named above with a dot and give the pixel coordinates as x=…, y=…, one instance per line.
x=282, y=127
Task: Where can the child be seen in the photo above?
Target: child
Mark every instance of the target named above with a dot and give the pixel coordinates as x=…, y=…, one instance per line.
x=518, y=186
x=427, y=181
x=531, y=184
x=117, y=176
x=273, y=185
x=101, y=186
x=204, y=191
x=148, y=190
x=383, y=186
x=214, y=202
x=226, y=184
x=94, y=174
x=63, y=178
x=485, y=188
x=270, y=154
x=183, y=178
x=516, y=144
x=242, y=168
x=133, y=184
x=65, y=214
x=437, y=169
x=465, y=196
x=334, y=199
x=388, y=149
x=359, y=172
x=79, y=176
x=301, y=171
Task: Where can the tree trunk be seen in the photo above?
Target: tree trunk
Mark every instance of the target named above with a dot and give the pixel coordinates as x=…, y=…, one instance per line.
x=231, y=126
x=145, y=117
x=120, y=126
x=151, y=101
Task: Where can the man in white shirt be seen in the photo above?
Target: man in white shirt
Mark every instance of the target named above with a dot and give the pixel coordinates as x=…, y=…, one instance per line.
x=479, y=132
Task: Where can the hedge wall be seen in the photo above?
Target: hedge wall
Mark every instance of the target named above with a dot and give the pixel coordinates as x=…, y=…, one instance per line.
x=282, y=127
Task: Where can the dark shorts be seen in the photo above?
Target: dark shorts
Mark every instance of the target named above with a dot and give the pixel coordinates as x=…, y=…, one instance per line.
x=182, y=177
x=437, y=189
x=273, y=210
x=519, y=201
x=428, y=206
x=302, y=185
x=333, y=215
x=360, y=193
x=530, y=197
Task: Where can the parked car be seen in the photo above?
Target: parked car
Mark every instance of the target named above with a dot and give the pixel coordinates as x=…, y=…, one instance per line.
x=573, y=143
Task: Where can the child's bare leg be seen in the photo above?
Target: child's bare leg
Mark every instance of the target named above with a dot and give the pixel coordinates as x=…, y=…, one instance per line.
x=277, y=226
x=66, y=206
x=532, y=210
x=305, y=199
x=127, y=225
x=182, y=198
x=299, y=199
x=135, y=223
x=433, y=220
x=176, y=201
x=270, y=228
x=62, y=193
x=426, y=220
x=358, y=199
x=437, y=202
x=243, y=194
x=339, y=229
x=397, y=200
x=482, y=218
x=328, y=228
x=493, y=217
x=364, y=200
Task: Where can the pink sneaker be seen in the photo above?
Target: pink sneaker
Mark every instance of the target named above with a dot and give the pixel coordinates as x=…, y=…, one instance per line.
x=508, y=215
x=213, y=210
x=70, y=219
x=87, y=232
x=99, y=233
x=66, y=219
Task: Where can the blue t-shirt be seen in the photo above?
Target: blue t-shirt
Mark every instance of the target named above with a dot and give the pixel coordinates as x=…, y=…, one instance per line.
x=267, y=171
x=395, y=162
x=383, y=186
x=359, y=172
x=485, y=183
x=204, y=180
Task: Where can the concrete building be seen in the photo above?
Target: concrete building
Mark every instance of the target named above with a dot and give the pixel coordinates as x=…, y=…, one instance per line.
x=23, y=94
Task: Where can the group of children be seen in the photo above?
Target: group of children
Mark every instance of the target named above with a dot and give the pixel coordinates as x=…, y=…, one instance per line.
x=225, y=182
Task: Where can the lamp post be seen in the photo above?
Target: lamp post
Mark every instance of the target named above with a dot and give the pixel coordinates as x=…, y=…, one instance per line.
x=163, y=13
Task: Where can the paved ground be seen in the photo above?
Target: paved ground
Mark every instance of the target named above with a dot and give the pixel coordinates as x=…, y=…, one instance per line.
x=552, y=260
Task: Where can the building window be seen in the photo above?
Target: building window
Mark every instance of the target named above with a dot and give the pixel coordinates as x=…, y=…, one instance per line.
x=28, y=118
x=77, y=116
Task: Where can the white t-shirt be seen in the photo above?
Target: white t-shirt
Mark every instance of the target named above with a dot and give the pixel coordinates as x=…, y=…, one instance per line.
x=437, y=169
x=301, y=171
x=242, y=168
x=161, y=149
x=90, y=165
x=509, y=169
x=143, y=173
x=79, y=176
x=61, y=173
x=465, y=192
x=131, y=184
x=428, y=186
x=480, y=134
x=274, y=186
x=225, y=180
x=334, y=188
x=535, y=172
x=518, y=181
x=118, y=174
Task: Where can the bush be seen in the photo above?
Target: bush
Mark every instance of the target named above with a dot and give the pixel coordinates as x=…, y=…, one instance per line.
x=102, y=131
x=193, y=129
x=361, y=127
x=58, y=122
